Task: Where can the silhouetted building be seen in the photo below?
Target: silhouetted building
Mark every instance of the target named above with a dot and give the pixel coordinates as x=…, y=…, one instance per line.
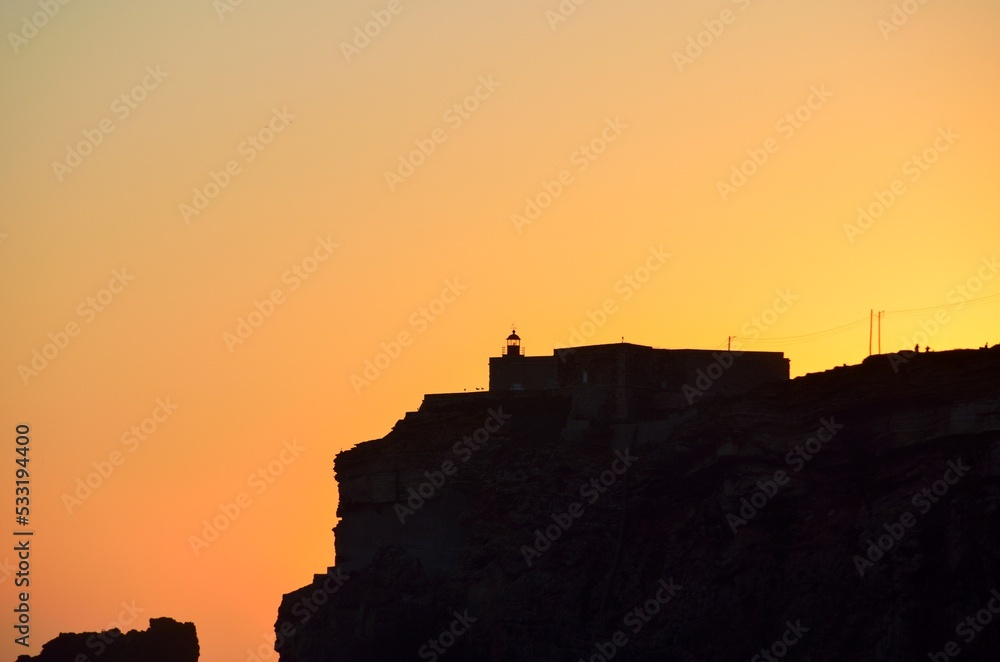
x=624, y=380
x=515, y=371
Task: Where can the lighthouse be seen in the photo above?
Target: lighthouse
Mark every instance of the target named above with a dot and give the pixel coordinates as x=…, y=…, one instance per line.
x=513, y=371
x=513, y=345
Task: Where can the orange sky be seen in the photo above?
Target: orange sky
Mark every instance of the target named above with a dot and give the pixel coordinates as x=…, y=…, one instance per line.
x=169, y=170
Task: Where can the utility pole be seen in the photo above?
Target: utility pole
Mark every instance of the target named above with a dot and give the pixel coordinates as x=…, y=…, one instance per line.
x=871, y=319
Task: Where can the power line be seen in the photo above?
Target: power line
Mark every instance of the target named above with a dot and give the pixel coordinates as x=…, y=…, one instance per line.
x=968, y=303
x=816, y=335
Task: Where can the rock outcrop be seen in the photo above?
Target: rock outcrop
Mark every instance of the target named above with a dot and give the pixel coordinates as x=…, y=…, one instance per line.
x=166, y=640
x=845, y=515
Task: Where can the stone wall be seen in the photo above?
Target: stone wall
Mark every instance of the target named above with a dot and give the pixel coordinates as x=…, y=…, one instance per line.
x=522, y=372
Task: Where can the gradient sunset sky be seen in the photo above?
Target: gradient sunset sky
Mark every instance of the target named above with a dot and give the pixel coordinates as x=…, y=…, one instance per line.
x=172, y=171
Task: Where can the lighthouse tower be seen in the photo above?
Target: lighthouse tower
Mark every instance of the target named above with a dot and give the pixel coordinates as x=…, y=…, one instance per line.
x=513, y=371
x=513, y=345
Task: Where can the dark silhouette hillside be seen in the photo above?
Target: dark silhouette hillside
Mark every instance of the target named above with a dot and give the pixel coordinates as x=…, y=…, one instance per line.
x=847, y=515
x=166, y=640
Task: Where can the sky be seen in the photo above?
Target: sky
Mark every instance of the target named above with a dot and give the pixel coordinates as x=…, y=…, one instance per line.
x=237, y=237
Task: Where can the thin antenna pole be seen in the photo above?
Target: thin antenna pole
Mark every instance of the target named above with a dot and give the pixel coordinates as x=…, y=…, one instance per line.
x=871, y=318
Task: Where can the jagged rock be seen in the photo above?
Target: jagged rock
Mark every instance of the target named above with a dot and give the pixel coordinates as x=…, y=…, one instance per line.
x=693, y=525
x=166, y=640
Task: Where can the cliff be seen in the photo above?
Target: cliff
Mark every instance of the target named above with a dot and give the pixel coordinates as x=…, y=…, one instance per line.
x=850, y=514
x=166, y=640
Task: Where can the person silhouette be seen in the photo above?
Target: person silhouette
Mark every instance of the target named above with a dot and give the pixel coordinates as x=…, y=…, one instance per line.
x=916, y=349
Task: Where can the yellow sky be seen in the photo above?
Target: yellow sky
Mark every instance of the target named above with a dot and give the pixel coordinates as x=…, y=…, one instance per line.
x=171, y=171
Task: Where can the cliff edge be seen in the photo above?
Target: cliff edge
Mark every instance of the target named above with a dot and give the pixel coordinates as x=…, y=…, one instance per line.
x=851, y=514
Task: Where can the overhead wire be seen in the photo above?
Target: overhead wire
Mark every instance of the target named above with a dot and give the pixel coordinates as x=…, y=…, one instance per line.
x=816, y=335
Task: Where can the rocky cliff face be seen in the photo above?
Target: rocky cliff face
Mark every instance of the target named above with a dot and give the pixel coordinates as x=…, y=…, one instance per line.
x=166, y=640
x=846, y=515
